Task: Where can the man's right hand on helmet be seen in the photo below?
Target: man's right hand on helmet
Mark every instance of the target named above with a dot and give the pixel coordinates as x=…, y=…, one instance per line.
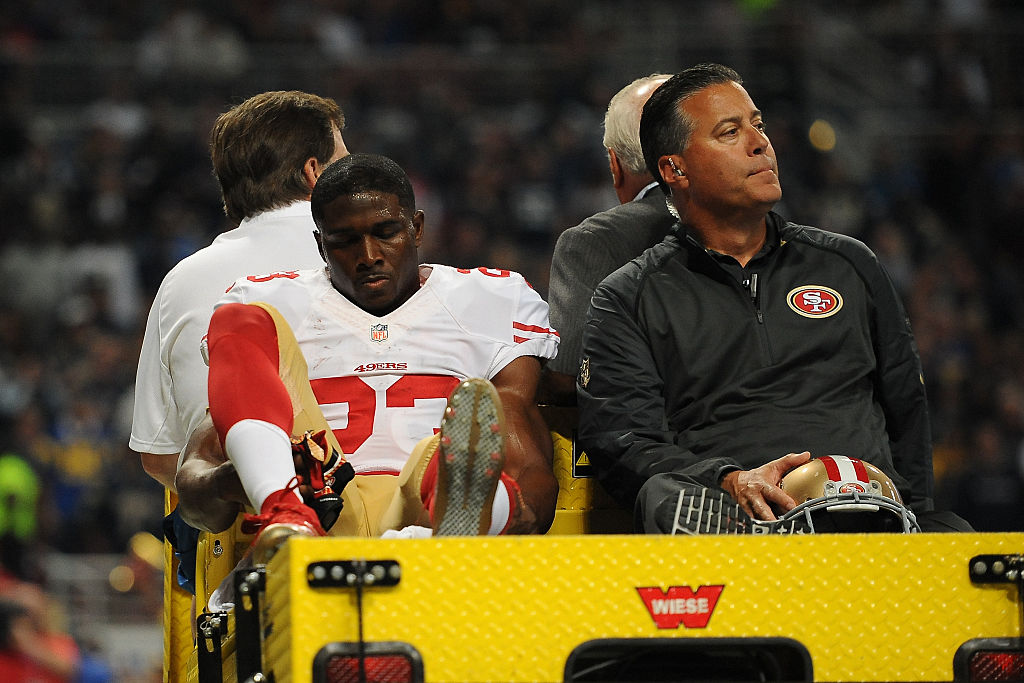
x=757, y=491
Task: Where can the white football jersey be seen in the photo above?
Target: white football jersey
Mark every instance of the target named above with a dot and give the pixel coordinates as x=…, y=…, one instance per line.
x=383, y=382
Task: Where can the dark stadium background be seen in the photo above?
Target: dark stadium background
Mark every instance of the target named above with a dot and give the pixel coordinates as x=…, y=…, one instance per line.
x=896, y=121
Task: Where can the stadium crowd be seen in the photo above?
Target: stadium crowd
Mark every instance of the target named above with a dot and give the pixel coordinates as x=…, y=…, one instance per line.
x=495, y=108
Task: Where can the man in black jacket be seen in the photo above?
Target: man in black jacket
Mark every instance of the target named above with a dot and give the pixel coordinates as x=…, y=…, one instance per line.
x=730, y=352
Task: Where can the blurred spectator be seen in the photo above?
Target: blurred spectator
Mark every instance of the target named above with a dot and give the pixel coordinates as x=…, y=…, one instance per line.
x=19, y=516
x=32, y=648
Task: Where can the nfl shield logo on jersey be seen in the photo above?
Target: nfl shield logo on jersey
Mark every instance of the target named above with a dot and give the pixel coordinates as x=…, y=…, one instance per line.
x=378, y=333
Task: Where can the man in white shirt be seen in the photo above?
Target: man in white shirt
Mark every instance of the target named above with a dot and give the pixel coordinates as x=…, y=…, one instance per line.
x=267, y=153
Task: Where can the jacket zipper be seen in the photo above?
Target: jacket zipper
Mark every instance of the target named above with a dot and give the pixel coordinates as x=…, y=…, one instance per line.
x=753, y=288
x=754, y=297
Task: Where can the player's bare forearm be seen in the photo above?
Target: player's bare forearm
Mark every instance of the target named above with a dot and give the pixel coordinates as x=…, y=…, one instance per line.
x=528, y=448
x=209, y=493
x=530, y=452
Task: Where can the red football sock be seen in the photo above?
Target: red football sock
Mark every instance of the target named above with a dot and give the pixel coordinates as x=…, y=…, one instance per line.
x=244, y=382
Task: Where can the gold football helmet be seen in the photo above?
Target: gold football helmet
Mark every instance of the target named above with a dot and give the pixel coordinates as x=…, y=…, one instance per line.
x=838, y=493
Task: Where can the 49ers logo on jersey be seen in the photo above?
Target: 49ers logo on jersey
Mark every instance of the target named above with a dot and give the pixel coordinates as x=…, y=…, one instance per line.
x=680, y=605
x=374, y=367
x=814, y=301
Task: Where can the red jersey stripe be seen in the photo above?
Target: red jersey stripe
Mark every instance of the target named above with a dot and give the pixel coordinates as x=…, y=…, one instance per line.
x=533, y=328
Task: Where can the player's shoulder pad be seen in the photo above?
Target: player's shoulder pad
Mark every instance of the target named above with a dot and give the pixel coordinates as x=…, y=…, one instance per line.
x=489, y=299
x=289, y=291
x=495, y=281
x=268, y=284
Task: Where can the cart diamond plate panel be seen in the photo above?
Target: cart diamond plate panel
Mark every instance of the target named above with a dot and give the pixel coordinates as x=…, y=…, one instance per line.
x=867, y=608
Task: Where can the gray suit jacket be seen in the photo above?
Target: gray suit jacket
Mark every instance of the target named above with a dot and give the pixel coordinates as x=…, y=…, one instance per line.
x=586, y=254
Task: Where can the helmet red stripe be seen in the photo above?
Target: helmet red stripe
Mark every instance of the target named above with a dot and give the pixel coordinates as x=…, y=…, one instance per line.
x=831, y=468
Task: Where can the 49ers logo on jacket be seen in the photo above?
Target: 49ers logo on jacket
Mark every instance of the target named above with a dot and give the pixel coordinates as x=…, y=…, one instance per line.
x=680, y=605
x=814, y=301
